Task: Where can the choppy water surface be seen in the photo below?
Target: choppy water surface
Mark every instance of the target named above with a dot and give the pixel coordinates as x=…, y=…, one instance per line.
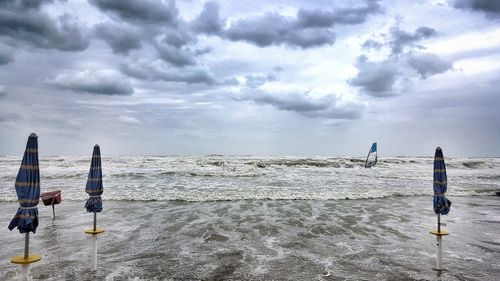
x=214, y=178
x=214, y=218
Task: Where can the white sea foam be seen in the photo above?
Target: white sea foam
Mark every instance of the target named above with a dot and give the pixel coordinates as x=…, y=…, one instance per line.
x=221, y=178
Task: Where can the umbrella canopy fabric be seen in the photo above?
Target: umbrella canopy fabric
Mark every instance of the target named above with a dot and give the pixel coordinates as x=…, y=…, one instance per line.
x=94, y=183
x=441, y=203
x=28, y=189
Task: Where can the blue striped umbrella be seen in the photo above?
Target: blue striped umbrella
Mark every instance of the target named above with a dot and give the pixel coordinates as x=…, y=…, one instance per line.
x=94, y=183
x=440, y=202
x=28, y=189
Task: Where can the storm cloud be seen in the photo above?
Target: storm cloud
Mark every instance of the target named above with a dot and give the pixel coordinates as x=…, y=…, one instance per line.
x=309, y=28
x=144, y=11
x=120, y=39
x=274, y=29
x=6, y=55
x=99, y=82
x=23, y=21
x=490, y=7
x=212, y=70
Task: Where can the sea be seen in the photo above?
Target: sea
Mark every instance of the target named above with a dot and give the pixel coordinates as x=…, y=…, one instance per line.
x=218, y=217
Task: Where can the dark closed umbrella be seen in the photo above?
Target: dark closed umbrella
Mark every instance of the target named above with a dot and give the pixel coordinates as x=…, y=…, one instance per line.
x=28, y=189
x=441, y=203
x=94, y=183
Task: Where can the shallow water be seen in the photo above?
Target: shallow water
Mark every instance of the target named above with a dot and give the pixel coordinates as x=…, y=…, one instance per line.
x=375, y=239
x=292, y=218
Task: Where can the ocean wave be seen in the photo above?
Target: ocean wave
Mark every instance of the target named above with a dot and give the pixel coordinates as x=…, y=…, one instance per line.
x=212, y=196
x=474, y=164
x=489, y=177
x=316, y=163
x=228, y=178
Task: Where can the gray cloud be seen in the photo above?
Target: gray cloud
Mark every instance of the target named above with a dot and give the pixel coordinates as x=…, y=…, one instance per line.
x=6, y=55
x=379, y=78
x=209, y=21
x=120, y=39
x=3, y=92
x=306, y=105
x=102, y=82
x=400, y=38
x=9, y=117
x=490, y=7
x=178, y=37
x=375, y=78
x=173, y=47
x=23, y=4
x=327, y=18
x=372, y=44
x=175, y=56
x=157, y=70
x=309, y=28
x=144, y=11
x=254, y=81
x=275, y=29
x=24, y=22
x=427, y=64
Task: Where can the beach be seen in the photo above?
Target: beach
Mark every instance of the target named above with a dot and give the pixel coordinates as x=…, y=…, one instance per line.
x=372, y=224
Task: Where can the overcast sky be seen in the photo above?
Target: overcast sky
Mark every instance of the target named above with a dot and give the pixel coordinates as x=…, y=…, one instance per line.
x=297, y=77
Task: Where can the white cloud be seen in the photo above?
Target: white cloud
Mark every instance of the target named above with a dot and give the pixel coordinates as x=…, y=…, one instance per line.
x=101, y=82
x=129, y=120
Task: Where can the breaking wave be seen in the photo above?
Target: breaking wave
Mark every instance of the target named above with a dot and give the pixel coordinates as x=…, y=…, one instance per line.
x=228, y=178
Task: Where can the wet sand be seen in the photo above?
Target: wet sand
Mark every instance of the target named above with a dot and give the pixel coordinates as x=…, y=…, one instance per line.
x=366, y=239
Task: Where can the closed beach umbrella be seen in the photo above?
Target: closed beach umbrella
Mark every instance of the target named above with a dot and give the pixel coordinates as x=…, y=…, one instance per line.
x=441, y=203
x=94, y=204
x=28, y=194
x=94, y=183
x=28, y=189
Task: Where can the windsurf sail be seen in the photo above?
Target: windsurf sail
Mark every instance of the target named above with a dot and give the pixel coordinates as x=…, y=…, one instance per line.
x=371, y=159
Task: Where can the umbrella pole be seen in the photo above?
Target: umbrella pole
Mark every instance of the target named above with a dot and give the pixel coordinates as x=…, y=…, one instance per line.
x=27, y=245
x=53, y=212
x=439, y=223
x=26, y=267
x=93, y=259
x=439, y=250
